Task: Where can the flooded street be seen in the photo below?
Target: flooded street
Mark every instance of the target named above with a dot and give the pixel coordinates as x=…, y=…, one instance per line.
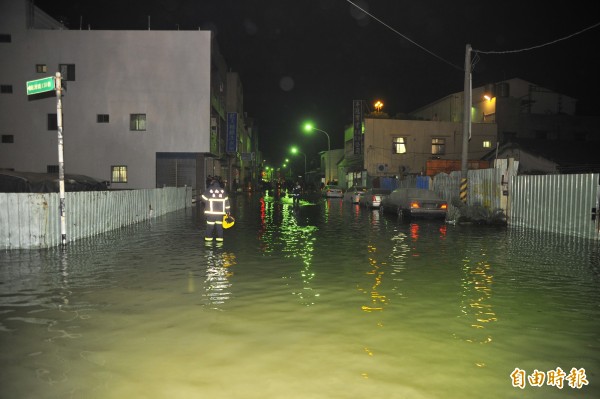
x=328, y=300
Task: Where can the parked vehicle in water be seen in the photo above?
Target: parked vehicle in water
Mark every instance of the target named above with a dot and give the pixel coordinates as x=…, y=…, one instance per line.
x=373, y=196
x=332, y=191
x=353, y=194
x=415, y=202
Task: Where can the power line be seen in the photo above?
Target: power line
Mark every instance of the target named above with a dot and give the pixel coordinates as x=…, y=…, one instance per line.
x=406, y=38
x=538, y=46
x=473, y=50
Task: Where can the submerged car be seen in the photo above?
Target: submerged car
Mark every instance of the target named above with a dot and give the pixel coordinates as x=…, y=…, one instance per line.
x=332, y=191
x=353, y=194
x=415, y=202
x=373, y=196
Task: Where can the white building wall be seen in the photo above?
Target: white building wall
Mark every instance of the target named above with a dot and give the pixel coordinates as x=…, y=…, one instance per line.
x=163, y=74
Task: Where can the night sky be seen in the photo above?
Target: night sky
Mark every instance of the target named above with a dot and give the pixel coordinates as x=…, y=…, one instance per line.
x=308, y=59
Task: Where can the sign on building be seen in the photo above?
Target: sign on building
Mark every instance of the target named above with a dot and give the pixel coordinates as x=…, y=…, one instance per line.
x=231, y=145
x=357, y=118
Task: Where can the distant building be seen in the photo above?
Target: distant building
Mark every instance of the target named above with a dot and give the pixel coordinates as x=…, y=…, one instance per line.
x=509, y=117
x=536, y=126
x=521, y=109
x=141, y=109
x=395, y=147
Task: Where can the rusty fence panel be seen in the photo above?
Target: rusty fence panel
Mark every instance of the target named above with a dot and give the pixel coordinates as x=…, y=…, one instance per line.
x=32, y=220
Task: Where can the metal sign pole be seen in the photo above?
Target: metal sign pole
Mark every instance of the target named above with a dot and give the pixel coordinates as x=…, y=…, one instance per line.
x=61, y=164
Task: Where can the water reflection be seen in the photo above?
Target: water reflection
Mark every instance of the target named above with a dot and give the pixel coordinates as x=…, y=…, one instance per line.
x=282, y=231
x=217, y=280
x=476, y=305
x=377, y=300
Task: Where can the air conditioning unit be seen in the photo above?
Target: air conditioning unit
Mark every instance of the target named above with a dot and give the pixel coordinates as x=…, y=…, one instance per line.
x=382, y=167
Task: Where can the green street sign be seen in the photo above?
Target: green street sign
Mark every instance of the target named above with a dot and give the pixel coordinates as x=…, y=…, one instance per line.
x=40, y=85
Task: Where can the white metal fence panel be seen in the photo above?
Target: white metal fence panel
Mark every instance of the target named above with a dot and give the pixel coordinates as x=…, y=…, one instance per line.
x=32, y=220
x=447, y=185
x=565, y=204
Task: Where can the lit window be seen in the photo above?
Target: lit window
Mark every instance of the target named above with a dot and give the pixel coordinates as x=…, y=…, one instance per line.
x=118, y=174
x=137, y=122
x=438, y=146
x=41, y=68
x=399, y=145
x=487, y=144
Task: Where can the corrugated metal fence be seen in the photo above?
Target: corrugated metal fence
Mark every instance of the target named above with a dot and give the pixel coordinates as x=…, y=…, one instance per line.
x=564, y=204
x=32, y=220
x=484, y=187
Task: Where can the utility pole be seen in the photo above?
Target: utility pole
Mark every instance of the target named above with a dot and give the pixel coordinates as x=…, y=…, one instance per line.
x=466, y=125
x=61, y=163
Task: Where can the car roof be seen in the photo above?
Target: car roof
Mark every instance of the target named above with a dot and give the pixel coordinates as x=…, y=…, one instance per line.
x=419, y=192
x=380, y=190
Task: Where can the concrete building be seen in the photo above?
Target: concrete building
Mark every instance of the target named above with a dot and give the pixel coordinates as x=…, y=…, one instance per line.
x=536, y=126
x=393, y=148
x=141, y=109
x=520, y=108
x=509, y=114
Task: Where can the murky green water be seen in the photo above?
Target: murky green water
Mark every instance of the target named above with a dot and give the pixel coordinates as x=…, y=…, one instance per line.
x=328, y=301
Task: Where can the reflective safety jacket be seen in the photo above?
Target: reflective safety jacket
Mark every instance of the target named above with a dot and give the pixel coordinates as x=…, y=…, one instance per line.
x=216, y=201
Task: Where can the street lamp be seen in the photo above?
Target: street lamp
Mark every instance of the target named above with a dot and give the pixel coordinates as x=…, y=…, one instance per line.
x=295, y=150
x=308, y=128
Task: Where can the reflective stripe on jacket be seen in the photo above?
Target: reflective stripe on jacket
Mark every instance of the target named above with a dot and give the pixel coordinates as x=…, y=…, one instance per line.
x=216, y=201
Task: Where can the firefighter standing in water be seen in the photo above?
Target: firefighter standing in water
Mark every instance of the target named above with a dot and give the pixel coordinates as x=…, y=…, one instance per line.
x=216, y=205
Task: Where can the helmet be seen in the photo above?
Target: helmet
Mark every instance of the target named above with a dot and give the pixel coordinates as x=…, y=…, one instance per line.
x=228, y=221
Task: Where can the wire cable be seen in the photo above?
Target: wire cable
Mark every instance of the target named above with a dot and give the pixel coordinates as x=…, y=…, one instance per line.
x=406, y=38
x=540, y=45
x=473, y=50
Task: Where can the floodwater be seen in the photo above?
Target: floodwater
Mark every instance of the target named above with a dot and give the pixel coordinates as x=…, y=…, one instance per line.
x=324, y=301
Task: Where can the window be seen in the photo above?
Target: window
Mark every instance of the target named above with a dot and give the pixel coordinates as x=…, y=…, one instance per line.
x=118, y=174
x=399, y=145
x=51, y=168
x=6, y=89
x=52, y=122
x=137, y=122
x=4, y=38
x=487, y=144
x=41, y=68
x=67, y=71
x=8, y=138
x=102, y=118
x=438, y=146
